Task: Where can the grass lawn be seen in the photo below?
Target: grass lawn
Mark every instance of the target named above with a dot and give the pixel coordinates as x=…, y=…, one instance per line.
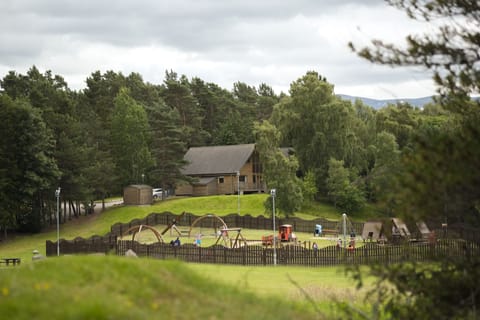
x=93, y=287
x=324, y=284
x=249, y=204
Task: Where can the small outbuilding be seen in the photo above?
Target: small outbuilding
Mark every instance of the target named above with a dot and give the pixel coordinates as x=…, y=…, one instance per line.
x=137, y=194
x=372, y=231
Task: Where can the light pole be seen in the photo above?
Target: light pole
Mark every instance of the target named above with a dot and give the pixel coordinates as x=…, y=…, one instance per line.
x=57, y=194
x=273, y=193
x=238, y=191
x=344, y=229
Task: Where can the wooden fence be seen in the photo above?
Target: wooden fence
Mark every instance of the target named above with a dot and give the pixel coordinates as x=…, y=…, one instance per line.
x=259, y=255
x=235, y=221
x=298, y=255
x=94, y=244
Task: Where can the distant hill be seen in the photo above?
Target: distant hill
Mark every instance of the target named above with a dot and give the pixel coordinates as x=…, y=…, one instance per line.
x=377, y=104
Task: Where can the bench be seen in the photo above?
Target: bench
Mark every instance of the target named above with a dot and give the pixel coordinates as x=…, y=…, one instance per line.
x=10, y=261
x=332, y=232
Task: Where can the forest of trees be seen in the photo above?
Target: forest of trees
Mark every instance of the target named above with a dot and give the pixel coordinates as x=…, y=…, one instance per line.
x=121, y=130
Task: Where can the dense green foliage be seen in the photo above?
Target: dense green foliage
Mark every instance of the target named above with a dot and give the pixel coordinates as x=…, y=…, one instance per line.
x=121, y=130
x=279, y=170
x=439, y=177
x=117, y=131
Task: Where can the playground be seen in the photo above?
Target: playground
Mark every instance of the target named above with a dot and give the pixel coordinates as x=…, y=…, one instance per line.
x=210, y=239
x=211, y=230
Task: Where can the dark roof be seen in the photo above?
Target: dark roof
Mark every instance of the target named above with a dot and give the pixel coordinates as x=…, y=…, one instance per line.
x=217, y=159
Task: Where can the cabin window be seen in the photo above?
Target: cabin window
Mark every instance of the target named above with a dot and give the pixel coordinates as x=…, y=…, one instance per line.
x=221, y=180
x=242, y=178
x=254, y=179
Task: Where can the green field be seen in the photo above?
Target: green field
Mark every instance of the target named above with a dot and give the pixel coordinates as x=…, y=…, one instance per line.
x=92, y=287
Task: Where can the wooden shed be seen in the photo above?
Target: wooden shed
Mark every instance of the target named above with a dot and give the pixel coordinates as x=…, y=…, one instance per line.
x=137, y=194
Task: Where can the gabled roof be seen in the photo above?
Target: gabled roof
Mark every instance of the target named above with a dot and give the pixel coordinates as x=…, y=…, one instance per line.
x=401, y=226
x=374, y=227
x=423, y=228
x=217, y=159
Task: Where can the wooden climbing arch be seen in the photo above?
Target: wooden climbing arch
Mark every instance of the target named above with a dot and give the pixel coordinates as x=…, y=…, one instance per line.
x=138, y=229
x=215, y=218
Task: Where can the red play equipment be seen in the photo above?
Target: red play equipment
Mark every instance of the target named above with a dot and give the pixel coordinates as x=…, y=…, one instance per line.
x=285, y=234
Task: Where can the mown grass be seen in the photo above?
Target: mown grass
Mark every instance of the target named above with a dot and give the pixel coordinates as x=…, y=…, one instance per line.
x=324, y=284
x=92, y=287
x=251, y=204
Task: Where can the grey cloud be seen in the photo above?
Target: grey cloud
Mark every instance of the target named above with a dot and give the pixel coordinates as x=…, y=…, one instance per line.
x=252, y=41
x=188, y=24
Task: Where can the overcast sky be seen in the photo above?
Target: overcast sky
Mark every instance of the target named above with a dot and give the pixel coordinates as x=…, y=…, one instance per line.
x=220, y=41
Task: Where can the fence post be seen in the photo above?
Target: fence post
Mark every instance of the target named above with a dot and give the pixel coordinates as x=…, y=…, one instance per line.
x=244, y=255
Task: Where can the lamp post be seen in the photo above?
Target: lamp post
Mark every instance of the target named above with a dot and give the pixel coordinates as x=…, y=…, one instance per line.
x=344, y=229
x=273, y=193
x=57, y=195
x=238, y=191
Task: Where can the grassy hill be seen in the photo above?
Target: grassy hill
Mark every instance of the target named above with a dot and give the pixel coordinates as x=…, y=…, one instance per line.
x=93, y=287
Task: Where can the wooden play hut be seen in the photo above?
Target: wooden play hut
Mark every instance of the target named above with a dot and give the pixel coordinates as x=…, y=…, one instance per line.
x=423, y=231
x=137, y=194
x=399, y=228
x=372, y=231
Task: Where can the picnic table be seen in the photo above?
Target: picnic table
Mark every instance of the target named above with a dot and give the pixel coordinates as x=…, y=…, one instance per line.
x=10, y=261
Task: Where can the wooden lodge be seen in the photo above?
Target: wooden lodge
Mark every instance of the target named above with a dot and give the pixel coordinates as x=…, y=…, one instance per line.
x=218, y=170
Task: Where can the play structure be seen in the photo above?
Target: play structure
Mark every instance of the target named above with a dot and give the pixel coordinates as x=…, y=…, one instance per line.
x=239, y=240
x=318, y=230
x=372, y=231
x=344, y=226
x=425, y=233
x=198, y=226
x=378, y=231
x=399, y=228
x=173, y=226
x=217, y=228
x=134, y=231
x=285, y=234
